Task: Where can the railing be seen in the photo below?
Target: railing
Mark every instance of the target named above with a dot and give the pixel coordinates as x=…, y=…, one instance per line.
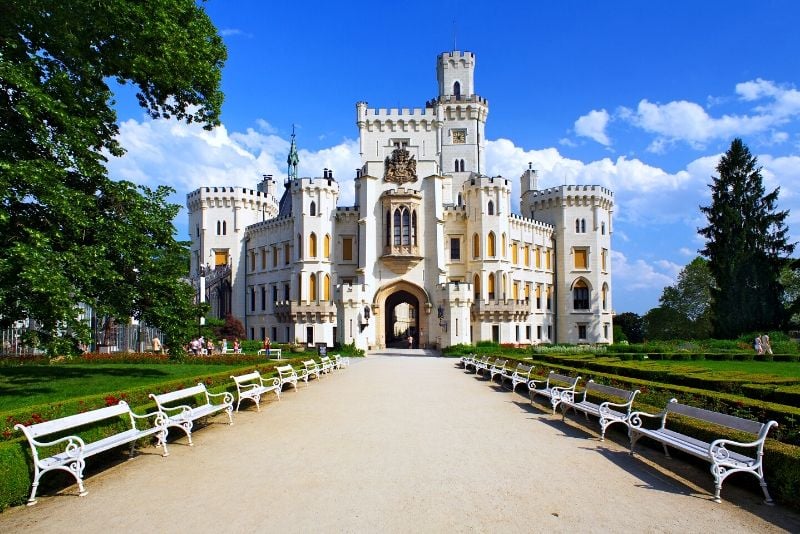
x=502, y=305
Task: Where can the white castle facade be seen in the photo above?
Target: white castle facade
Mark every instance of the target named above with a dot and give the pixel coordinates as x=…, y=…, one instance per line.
x=430, y=249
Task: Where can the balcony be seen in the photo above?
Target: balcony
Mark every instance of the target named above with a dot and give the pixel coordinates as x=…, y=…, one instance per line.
x=518, y=309
x=400, y=258
x=289, y=311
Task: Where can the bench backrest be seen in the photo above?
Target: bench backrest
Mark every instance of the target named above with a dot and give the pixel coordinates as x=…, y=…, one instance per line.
x=165, y=398
x=310, y=363
x=285, y=370
x=610, y=391
x=561, y=379
x=500, y=363
x=523, y=369
x=325, y=359
x=249, y=377
x=77, y=420
x=730, y=421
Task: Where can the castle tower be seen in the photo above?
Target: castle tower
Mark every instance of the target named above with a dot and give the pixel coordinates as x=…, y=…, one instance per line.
x=462, y=115
x=581, y=216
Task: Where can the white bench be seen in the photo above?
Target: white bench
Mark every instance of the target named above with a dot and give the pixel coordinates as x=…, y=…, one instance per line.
x=552, y=387
x=724, y=461
x=274, y=354
x=340, y=362
x=466, y=360
x=73, y=450
x=184, y=415
x=326, y=364
x=474, y=361
x=497, y=368
x=596, y=400
x=520, y=375
x=313, y=369
x=252, y=385
x=484, y=364
x=288, y=375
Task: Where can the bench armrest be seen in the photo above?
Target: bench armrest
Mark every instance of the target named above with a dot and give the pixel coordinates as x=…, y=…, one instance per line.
x=532, y=384
x=606, y=404
x=227, y=396
x=636, y=417
x=717, y=449
x=73, y=442
x=181, y=407
x=247, y=387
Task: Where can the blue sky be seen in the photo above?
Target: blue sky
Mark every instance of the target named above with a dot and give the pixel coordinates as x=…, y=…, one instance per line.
x=641, y=97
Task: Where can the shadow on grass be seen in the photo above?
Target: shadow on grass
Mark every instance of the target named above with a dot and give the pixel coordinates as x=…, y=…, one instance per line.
x=30, y=380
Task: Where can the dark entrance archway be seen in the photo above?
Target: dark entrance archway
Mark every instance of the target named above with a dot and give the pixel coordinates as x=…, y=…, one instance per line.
x=401, y=319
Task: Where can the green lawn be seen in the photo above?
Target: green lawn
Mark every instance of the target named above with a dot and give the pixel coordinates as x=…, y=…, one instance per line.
x=31, y=385
x=778, y=369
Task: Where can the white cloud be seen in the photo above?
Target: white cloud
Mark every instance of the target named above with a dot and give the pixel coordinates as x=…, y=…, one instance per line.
x=638, y=274
x=689, y=253
x=593, y=125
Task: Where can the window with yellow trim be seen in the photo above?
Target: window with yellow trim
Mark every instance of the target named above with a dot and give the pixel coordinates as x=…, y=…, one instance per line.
x=312, y=245
x=514, y=254
x=347, y=248
x=491, y=246
x=526, y=256
x=581, y=258
x=326, y=247
x=312, y=287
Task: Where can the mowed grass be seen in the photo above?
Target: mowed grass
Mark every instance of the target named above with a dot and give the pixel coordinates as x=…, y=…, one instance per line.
x=31, y=385
x=767, y=369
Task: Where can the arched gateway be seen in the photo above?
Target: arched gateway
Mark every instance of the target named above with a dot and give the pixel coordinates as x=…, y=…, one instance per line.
x=401, y=309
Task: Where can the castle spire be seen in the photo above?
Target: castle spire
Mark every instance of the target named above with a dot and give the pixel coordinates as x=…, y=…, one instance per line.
x=293, y=160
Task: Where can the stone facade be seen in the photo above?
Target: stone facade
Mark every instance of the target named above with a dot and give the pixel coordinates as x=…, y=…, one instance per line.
x=430, y=250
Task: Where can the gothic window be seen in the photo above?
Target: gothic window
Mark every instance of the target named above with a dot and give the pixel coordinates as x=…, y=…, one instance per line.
x=252, y=299
x=476, y=246
x=603, y=228
x=605, y=296
x=414, y=228
x=299, y=287
x=490, y=286
x=491, y=245
x=603, y=257
x=326, y=288
x=263, y=297
x=462, y=165
x=583, y=226
x=580, y=295
x=538, y=296
x=456, y=166
x=312, y=288
x=388, y=228
x=460, y=200
x=224, y=227
x=577, y=226
x=503, y=248
x=312, y=245
x=514, y=253
x=457, y=89
x=455, y=248
x=526, y=256
x=490, y=208
x=477, y=286
x=397, y=227
x=515, y=291
x=313, y=208
x=326, y=247
x=406, y=228
x=299, y=246
x=219, y=227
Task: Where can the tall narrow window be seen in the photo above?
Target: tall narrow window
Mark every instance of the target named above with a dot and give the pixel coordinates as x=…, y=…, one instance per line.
x=580, y=295
x=388, y=229
x=577, y=226
x=462, y=166
x=490, y=244
x=583, y=226
x=538, y=296
x=219, y=227
x=603, y=228
x=490, y=208
x=456, y=166
x=605, y=296
x=312, y=245
x=581, y=258
x=299, y=287
x=537, y=257
x=515, y=291
x=460, y=200
x=263, y=297
x=312, y=288
x=457, y=89
x=603, y=255
x=455, y=249
x=406, y=228
x=476, y=286
x=476, y=246
x=274, y=256
x=224, y=227
x=347, y=248
x=397, y=227
x=490, y=286
x=326, y=247
x=326, y=288
x=299, y=247
x=312, y=209
x=414, y=228
x=263, y=259
x=514, y=253
x=526, y=256
x=287, y=254
x=252, y=299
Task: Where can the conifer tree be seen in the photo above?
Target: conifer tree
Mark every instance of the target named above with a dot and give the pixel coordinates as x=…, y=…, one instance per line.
x=746, y=239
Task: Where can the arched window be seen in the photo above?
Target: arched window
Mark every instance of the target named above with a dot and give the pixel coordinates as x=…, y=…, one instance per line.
x=490, y=286
x=490, y=208
x=299, y=287
x=460, y=200
x=491, y=245
x=414, y=228
x=326, y=247
x=577, y=226
x=224, y=227
x=312, y=245
x=583, y=226
x=299, y=246
x=406, y=228
x=462, y=165
x=456, y=166
x=313, y=208
x=580, y=295
x=326, y=288
x=219, y=227
x=505, y=285
x=503, y=243
x=397, y=227
x=388, y=228
x=457, y=89
x=476, y=285
x=603, y=228
x=312, y=288
x=605, y=296
x=514, y=253
x=476, y=246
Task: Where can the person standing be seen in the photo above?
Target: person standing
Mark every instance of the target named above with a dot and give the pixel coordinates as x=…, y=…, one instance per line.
x=224, y=345
x=757, y=346
x=267, y=345
x=156, y=345
x=765, y=344
x=237, y=347
x=410, y=342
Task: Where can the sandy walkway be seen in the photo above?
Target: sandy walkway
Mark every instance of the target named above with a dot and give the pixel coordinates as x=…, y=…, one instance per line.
x=397, y=444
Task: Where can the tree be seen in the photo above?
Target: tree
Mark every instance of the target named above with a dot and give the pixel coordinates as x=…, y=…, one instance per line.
x=631, y=325
x=790, y=281
x=70, y=233
x=691, y=297
x=746, y=238
x=665, y=323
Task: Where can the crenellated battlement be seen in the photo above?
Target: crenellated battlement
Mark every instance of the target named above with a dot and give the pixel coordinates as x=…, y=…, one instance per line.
x=399, y=113
x=573, y=190
x=224, y=197
x=482, y=181
x=456, y=55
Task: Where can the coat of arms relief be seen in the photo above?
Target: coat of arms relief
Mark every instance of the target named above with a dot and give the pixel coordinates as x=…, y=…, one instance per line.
x=400, y=167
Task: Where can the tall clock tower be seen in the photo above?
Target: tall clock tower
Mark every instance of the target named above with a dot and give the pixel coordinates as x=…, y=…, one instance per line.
x=462, y=116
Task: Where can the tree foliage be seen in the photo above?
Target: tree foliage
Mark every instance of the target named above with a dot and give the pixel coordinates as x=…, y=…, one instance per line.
x=691, y=298
x=666, y=323
x=746, y=241
x=631, y=325
x=70, y=233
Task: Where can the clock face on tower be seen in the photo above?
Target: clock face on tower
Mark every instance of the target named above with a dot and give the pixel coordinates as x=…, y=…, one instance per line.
x=459, y=137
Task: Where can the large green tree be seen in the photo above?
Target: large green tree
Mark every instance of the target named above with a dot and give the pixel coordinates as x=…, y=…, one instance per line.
x=746, y=241
x=631, y=325
x=691, y=298
x=70, y=234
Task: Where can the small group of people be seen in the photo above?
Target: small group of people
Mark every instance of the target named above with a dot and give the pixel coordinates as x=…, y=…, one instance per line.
x=201, y=346
x=761, y=345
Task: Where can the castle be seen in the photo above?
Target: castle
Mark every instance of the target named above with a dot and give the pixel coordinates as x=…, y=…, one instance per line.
x=430, y=250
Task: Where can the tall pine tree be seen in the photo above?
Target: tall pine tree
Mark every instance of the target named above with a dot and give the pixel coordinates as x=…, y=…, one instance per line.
x=746, y=239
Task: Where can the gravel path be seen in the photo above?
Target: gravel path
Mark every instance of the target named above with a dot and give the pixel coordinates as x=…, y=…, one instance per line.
x=399, y=444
